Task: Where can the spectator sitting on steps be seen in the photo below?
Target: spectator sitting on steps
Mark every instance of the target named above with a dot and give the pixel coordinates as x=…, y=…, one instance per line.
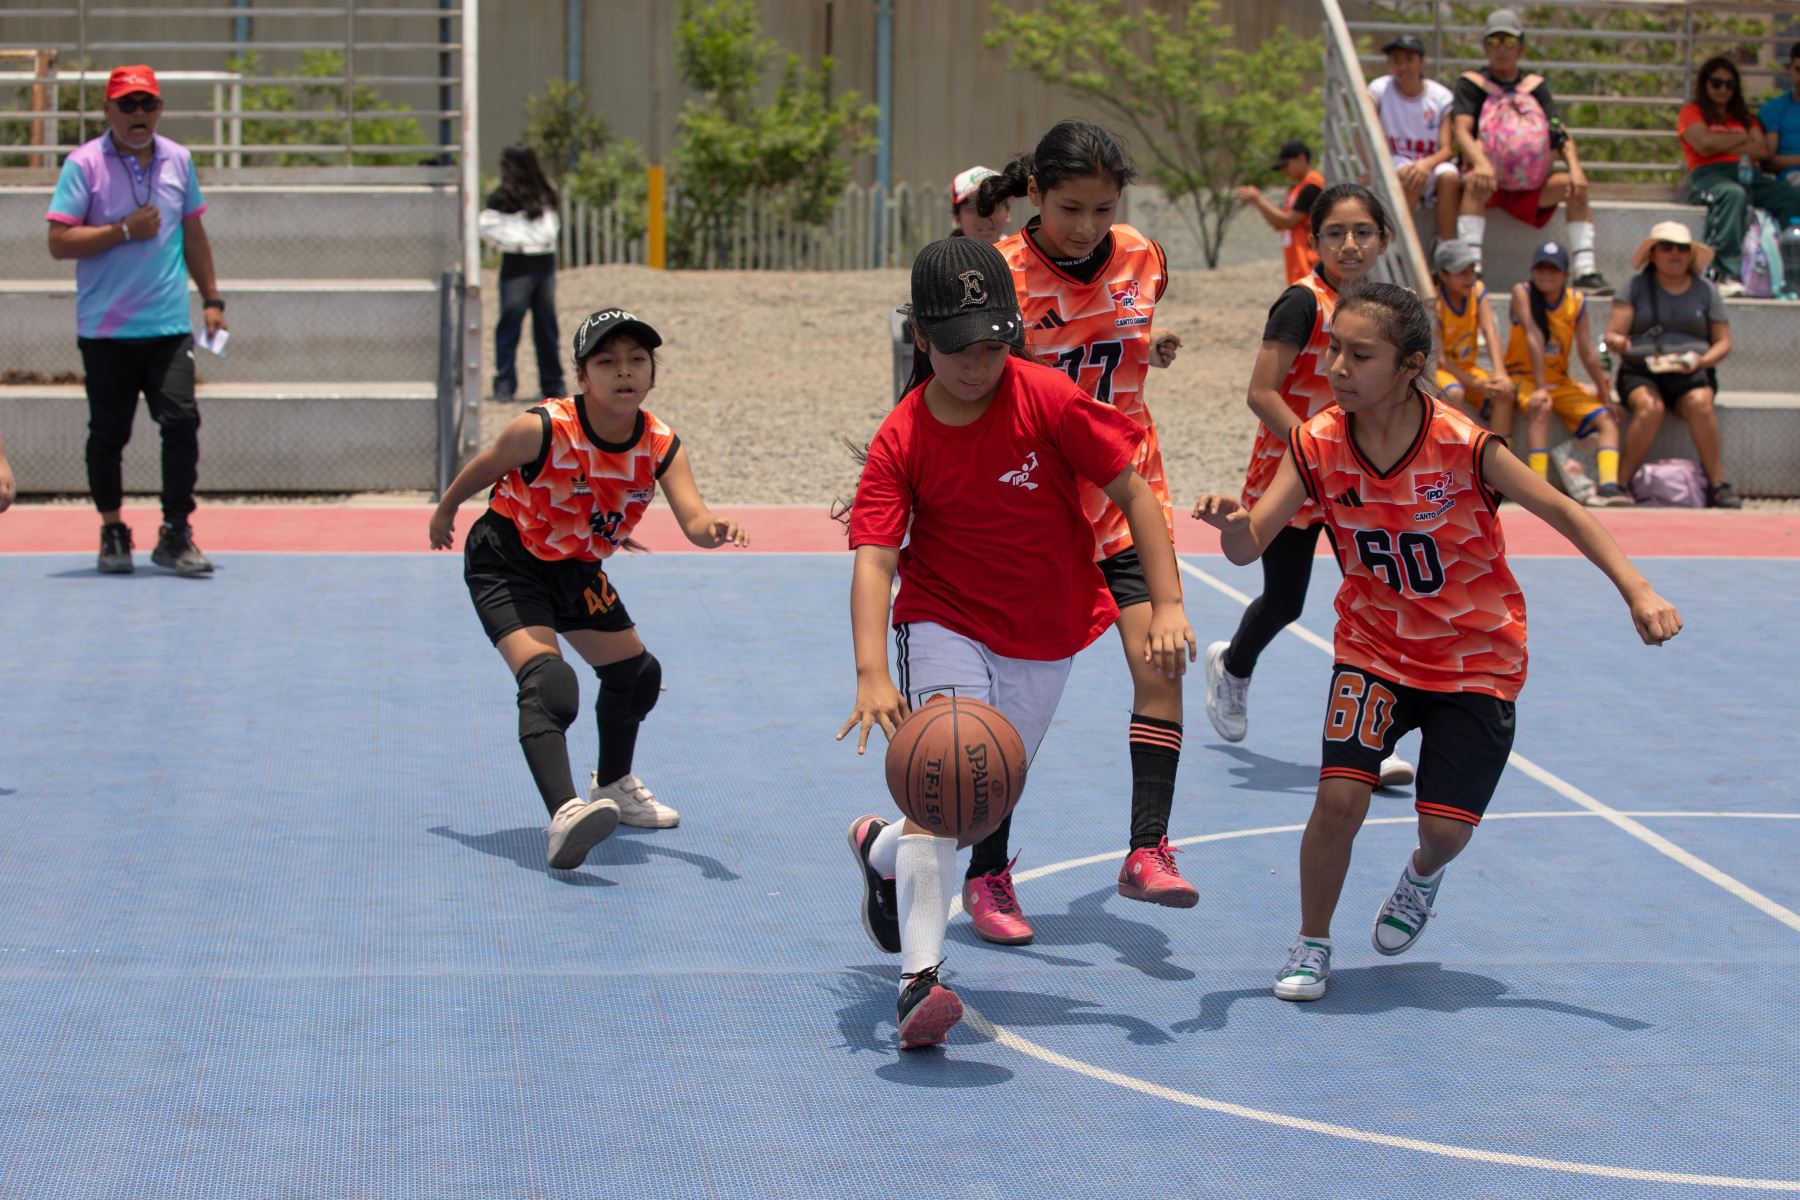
x=1780, y=118
x=1717, y=135
x=1487, y=96
x=1415, y=116
x=1670, y=330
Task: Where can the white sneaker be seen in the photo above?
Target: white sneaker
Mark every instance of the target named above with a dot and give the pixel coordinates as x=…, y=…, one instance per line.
x=1396, y=772
x=638, y=805
x=1306, y=973
x=1227, y=696
x=1728, y=288
x=1402, y=919
x=578, y=827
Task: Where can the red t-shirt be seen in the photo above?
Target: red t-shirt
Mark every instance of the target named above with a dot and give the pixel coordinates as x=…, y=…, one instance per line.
x=1690, y=116
x=995, y=543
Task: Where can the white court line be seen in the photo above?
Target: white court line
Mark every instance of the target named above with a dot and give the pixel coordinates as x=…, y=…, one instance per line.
x=1569, y=791
x=1013, y=1041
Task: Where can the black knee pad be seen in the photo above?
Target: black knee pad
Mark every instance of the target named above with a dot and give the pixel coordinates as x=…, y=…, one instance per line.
x=549, y=696
x=632, y=686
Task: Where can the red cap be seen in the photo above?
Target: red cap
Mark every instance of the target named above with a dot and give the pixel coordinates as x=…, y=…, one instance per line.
x=124, y=81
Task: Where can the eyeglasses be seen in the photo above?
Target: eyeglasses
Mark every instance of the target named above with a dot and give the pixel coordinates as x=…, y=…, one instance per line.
x=130, y=104
x=1721, y=81
x=1501, y=39
x=1337, y=235
x=1674, y=247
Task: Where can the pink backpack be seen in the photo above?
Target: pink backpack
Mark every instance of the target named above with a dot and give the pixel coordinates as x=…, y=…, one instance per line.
x=1670, y=483
x=1515, y=133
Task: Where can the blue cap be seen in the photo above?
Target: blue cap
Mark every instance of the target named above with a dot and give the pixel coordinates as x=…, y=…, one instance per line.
x=1554, y=253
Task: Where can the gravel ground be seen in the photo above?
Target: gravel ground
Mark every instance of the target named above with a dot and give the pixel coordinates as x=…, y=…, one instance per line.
x=763, y=373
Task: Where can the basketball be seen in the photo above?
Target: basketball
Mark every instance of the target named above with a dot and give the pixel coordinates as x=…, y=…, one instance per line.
x=956, y=767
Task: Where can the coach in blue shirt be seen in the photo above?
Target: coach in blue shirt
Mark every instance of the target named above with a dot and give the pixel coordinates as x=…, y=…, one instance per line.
x=1780, y=119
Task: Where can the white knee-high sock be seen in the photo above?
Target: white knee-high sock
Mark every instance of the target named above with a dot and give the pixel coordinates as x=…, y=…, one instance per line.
x=1581, y=246
x=1472, y=230
x=925, y=875
x=885, y=851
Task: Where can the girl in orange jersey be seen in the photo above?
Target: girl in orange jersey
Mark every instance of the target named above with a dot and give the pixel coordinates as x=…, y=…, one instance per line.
x=1088, y=288
x=1409, y=486
x=570, y=479
x=1351, y=228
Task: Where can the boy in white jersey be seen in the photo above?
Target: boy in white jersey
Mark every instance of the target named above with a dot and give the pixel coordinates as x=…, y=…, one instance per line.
x=1415, y=116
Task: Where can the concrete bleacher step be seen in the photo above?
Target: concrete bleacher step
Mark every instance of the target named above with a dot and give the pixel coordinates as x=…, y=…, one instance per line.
x=262, y=231
x=285, y=329
x=254, y=437
x=1619, y=225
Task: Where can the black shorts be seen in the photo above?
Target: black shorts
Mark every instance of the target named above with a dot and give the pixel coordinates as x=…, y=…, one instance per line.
x=1467, y=738
x=1124, y=576
x=513, y=588
x=1670, y=387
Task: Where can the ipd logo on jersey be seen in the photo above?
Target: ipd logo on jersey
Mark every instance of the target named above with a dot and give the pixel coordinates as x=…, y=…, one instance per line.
x=1434, y=489
x=1127, y=299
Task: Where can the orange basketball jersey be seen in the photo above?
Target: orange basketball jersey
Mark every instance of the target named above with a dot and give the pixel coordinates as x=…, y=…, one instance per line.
x=1298, y=254
x=1307, y=393
x=1099, y=332
x=1427, y=598
x=582, y=496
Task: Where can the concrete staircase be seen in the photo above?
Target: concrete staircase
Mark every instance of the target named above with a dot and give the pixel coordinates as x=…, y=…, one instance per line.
x=331, y=379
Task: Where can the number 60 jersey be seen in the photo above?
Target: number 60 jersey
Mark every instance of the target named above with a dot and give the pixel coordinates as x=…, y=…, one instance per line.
x=1427, y=598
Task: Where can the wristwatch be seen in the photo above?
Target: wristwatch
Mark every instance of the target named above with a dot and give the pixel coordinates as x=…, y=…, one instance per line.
x=215, y=303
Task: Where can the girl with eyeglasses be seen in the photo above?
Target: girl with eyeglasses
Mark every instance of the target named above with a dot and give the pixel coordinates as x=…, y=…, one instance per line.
x=1717, y=131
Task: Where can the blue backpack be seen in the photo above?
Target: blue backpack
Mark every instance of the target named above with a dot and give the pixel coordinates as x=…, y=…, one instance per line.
x=1763, y=273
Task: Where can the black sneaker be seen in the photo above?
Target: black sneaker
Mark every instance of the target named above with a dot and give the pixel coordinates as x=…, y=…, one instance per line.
x=1611, y=495
x=880, y=906
x=115, y=549
x=1721, y=495
x=928, y=1010
x=1594, y=284
x=175, y=550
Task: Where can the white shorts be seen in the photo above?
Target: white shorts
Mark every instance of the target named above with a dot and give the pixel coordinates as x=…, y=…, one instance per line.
x=1429, y=199
x=934, y=661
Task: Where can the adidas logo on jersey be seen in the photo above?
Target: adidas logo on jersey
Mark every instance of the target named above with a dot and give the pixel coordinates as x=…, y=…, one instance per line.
x=1050, y=321
x=1022, y=476
x=1349, y=499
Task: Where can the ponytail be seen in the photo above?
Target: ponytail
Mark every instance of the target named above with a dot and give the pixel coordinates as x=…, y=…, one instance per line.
x=1014, y=179
x=1539, y=312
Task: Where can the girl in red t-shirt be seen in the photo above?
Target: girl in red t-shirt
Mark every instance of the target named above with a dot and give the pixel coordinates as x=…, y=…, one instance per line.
x=570, y=479
x=971, y=493
x=1409, y=487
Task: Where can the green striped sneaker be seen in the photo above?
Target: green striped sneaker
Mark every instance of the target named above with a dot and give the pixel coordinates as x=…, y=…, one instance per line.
x=1308, y=968
x=1402, y=919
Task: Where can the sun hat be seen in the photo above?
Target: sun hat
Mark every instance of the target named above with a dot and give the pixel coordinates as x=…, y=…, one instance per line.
x=1681, y=235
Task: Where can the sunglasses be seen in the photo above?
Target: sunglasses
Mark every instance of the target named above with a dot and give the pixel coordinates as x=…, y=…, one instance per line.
x=1674, y=247
x=1501, y=39
x=130, y=104
x=1721, y=81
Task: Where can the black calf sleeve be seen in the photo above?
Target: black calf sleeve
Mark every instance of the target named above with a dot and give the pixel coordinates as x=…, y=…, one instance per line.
x=1287, y=569
x=628, y=691
x=549, y=699
x=989, y=855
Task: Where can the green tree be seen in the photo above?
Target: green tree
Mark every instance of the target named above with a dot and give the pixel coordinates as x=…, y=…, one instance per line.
x=393, y=128
x=1207, y=115
x=560, y=129
x=790, y=147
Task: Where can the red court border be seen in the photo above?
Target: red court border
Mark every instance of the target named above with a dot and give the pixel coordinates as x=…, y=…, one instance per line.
x=400, y=529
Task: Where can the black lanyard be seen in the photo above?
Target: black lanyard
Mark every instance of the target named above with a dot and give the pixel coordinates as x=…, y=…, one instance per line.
x=131, y=178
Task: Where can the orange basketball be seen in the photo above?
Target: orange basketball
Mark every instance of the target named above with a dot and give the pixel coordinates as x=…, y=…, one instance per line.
x=956, y=767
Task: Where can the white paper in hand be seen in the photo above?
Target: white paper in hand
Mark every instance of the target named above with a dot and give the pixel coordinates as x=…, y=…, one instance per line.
x=214, y=342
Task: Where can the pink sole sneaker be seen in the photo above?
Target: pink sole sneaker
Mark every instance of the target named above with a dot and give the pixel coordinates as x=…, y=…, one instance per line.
x=1150, y=875
x=931, y=1019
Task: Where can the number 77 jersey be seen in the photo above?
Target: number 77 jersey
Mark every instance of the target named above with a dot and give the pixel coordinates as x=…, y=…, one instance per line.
x=1427, y=598
x=1099, y=333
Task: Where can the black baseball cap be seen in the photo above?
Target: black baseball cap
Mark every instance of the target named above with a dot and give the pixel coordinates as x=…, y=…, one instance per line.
x=962, y=293
x=1292, y=150
x=1405, y=41
x=605, y=322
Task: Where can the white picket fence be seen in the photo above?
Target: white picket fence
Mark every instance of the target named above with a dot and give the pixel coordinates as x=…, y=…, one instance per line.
x=871, y=227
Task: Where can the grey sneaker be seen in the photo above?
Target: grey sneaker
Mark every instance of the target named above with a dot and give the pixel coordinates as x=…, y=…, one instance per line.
x=1307, y=971
x=115, y=549
x=638, y=805
x=175, y=550
x=1402, y=919
x=577, y=827
x=1227, y=696
x=1610, y=495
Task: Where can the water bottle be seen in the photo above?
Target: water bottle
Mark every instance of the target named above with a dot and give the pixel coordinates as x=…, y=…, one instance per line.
x=1790, y=253
x=1606, y=363
x=1746, y=170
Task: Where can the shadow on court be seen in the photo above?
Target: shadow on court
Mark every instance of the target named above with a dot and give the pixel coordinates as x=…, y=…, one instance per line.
x=1426, y=986
x=625, y=848
x=1088, y=922
x=1260, y=773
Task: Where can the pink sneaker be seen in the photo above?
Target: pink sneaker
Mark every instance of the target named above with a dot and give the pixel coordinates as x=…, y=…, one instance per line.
x=1150, y=875
x=991, y=904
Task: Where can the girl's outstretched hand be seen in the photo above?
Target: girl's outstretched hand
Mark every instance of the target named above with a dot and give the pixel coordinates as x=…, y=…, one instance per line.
x=878, y=702
x=1163, y=347
x=726, y=532
x=1170, y=633
x=442, y=523
x=1221, y=512
x=1655, y=618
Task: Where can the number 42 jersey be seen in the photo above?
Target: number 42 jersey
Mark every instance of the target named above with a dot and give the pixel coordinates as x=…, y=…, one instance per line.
x=1427, y=598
